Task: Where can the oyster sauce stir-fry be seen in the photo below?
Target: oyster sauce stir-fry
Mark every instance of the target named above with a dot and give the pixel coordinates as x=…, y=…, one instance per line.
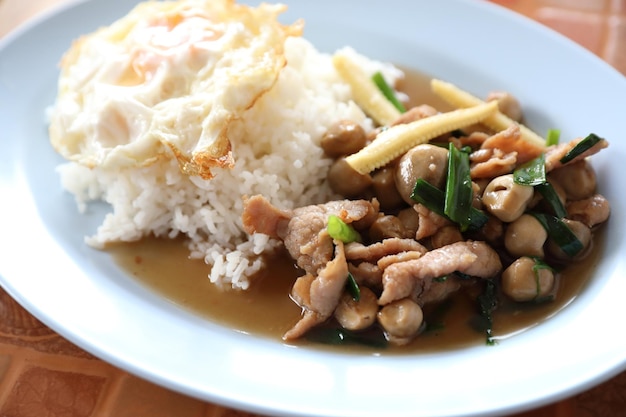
x=435, y=203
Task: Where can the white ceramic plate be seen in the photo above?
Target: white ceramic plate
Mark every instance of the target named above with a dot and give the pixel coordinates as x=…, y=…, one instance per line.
x=78, y=292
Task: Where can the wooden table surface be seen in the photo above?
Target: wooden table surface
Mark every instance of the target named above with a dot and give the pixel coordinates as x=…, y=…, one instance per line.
x=42, y=374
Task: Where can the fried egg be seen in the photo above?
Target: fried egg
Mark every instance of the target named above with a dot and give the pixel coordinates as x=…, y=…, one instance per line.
x=168, y=80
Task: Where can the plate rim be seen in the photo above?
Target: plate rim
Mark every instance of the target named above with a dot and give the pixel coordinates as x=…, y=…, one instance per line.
x=215, y=395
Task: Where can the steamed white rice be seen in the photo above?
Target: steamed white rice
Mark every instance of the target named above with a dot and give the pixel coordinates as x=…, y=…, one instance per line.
x=280, y=159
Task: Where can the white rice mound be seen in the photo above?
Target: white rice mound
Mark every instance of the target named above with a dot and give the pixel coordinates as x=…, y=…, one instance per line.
x=280, y=159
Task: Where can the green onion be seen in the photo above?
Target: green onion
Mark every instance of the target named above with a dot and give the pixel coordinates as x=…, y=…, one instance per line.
x=462, y=276
x=552, y=198
x=341, y=336
x=430, y=196
x=340, y=230
x=487, y=302
x=581, y=147
x=553, y=137
x=459, y=192
x=532, y=172
x=387, y=91
x=353, y=288
x=434, y=199
x=538, y=266
x=560, y=233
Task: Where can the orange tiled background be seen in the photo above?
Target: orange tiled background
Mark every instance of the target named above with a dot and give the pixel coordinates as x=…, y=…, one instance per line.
x=43, y=375
x=598, y=25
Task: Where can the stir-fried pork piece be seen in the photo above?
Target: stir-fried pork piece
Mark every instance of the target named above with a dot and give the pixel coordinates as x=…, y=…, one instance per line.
x=439, y=290
x=555, y=153
x=415, y=113
x=319, y=295
x=489, y=163
x=473, y=140
x=385, y=261
x=260, y=216
x=388, y=226
x=375, y=251
x=411, y=278
x=303, y=230
x=429, y=222
x=369, y=261
x=445, y=236
x=367, y=274
x=510, y=141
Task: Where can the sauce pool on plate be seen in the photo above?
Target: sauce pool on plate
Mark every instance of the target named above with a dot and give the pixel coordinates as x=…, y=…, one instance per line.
x=265, y=309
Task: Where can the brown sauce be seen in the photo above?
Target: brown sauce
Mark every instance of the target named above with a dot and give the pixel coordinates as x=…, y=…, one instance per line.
x=266, y=310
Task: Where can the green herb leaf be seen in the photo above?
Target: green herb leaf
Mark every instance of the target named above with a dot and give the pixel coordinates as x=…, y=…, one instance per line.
x=340, y=336
x=560, y=233
x=340, y=230
x=459, y=193
x=387, y=91
x=434, y=199
x=487, y=302
x=430, y=196
x=532, y=172
x=541, y=264
x=581, y=147
x=553, y=137
x=353, y=287
x=537, y=267
x=552, y=198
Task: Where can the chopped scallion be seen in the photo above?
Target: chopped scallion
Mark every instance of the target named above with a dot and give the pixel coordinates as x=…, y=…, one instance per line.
x=552, y=198
x=581, y=147
x=540, y=264
x=434, y=199
x=353, y=288
x=459, y=192
x=553, y=137
x=387, y=91
x=340, y=230
x=340, y=336
x=487, y=302
x=430, y=196
x=532, y=172
x=537, y=267
x=560, y=233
